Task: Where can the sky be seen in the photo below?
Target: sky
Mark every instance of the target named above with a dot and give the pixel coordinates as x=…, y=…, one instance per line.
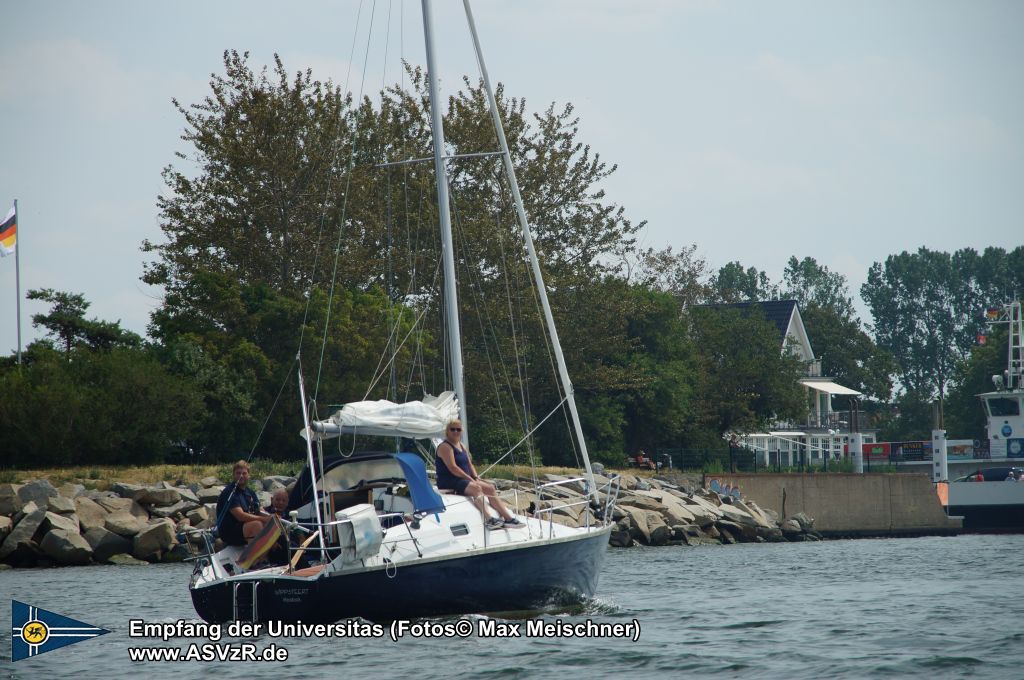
x=843, y=131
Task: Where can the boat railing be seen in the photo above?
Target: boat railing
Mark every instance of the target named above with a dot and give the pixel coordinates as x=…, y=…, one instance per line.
x=610, y=491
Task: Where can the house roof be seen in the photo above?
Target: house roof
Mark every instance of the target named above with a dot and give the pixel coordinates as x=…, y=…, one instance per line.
x=779, y=312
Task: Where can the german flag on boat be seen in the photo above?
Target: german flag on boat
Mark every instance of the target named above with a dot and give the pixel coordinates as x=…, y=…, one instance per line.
x=9, y=234
x=261, y=544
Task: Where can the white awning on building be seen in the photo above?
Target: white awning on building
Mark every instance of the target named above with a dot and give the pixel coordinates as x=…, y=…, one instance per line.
x=828, y=386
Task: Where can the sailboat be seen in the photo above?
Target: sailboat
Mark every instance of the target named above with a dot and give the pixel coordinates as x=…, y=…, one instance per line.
x=384, y=543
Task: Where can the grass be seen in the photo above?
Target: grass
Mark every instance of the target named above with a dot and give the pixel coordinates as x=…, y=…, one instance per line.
x=94, y=477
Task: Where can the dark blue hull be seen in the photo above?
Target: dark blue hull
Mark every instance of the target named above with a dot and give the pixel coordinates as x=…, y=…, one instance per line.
x=990, y=518
x=500, y=581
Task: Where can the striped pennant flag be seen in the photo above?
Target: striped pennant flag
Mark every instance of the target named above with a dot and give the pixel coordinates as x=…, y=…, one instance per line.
x=262, y=543
x=9, y=234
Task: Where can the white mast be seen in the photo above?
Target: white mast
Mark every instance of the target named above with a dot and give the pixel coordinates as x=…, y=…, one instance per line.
x=451, y=299
x=524, y=225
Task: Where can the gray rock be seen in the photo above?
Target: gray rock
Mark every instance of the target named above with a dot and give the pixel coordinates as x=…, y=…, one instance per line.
x=271, y=485
x=620, y=538
x=151, y=542
x=6, y=524
x=65, y=547
x=726, y=536
x=188, y=495
x=125, y=559
x=179, y=508
x=790, y=526
x=200, y=514
x=123, y=524
x=209, y=494
x=126, y=490
x=771, y=534
x=62, y=505
x=38, y=490
x=211, y=481
x=806, y=523
x=53, y=521
x=642, y=484
x=70, y=490
x=22, y=534
x=159, y=497
x=105, y=543
x=113, y=505
x=10, y=501
x=26, y=510
x=90, y=513
x=176, y=553
x=642, y=502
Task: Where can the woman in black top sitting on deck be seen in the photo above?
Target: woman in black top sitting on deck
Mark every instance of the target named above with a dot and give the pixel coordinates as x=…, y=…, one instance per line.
x=455, y=471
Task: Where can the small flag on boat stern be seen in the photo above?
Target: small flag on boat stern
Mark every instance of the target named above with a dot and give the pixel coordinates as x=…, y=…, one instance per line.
x=262, y=543
x=35, y=631
x=9, y=233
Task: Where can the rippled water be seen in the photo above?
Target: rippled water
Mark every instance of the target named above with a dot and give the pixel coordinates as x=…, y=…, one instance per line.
x=925, y=607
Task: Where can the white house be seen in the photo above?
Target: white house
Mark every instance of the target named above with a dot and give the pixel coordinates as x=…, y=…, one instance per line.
x=823, y=432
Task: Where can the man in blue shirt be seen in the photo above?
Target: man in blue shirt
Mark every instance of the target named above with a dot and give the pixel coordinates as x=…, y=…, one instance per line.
x=239, y=517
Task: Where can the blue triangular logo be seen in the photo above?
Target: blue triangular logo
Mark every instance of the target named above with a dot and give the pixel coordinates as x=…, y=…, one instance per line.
x=35, y=631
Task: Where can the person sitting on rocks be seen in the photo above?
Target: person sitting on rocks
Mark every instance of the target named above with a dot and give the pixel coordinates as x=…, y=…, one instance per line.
x=239, y=517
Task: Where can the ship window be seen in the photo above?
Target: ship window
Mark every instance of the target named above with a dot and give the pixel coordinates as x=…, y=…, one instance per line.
x=460, y=530
x=1003, y=406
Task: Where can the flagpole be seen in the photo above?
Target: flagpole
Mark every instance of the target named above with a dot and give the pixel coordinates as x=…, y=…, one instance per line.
x=17, y=275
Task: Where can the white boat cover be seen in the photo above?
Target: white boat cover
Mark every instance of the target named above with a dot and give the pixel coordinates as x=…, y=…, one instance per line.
x=416, y=419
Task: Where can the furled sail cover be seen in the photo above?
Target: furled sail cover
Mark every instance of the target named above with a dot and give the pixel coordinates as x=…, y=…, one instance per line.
x=416, y=419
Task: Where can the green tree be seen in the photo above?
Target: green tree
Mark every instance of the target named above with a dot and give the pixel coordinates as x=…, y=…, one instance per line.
x=287, y=208
x=67, y=323
x=745, y=381
x=733, y=283
x=965, y=415
x=928, y=308
x=810, y=283
x=836, y=334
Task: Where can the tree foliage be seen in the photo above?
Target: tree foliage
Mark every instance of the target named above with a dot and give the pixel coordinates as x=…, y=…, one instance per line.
x=744, y=381
x=928, y=309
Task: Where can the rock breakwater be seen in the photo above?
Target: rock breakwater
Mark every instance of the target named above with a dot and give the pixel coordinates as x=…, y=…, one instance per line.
x=42, y=525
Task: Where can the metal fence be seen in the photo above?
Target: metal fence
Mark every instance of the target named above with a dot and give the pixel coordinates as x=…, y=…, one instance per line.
x=725, y=459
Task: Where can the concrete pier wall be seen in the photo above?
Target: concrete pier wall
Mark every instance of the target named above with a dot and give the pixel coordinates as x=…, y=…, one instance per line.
x=872, y=504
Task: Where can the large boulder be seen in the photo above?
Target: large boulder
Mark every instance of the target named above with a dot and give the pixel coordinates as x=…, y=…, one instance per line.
x=126, y=490
x=10, y=501
x=158, y=497
x=659, y=532
x=620, y=538
x=113, y=505
x=734, y=514
x=65, y=547
x=105, y=543
x=6, y=524
x=806, y=523
x=53, y=521
x=211, y=481
x=71, y=490
x=197, y=515
x=153, y=540
x=123, y=524
x=790, y=527
x=209, y=494
x=26, y=510
x=642, y=502
x=179, y=508
x=636, y=522
x=62, y=505
x=22, y=534
x=38, y=490
x=90, y=513
x=188, y=495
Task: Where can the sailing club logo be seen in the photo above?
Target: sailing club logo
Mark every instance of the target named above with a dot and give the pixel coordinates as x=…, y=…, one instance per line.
x=35, y=631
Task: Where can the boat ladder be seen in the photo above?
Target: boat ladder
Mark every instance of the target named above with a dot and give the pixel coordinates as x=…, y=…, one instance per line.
x=244, y=600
